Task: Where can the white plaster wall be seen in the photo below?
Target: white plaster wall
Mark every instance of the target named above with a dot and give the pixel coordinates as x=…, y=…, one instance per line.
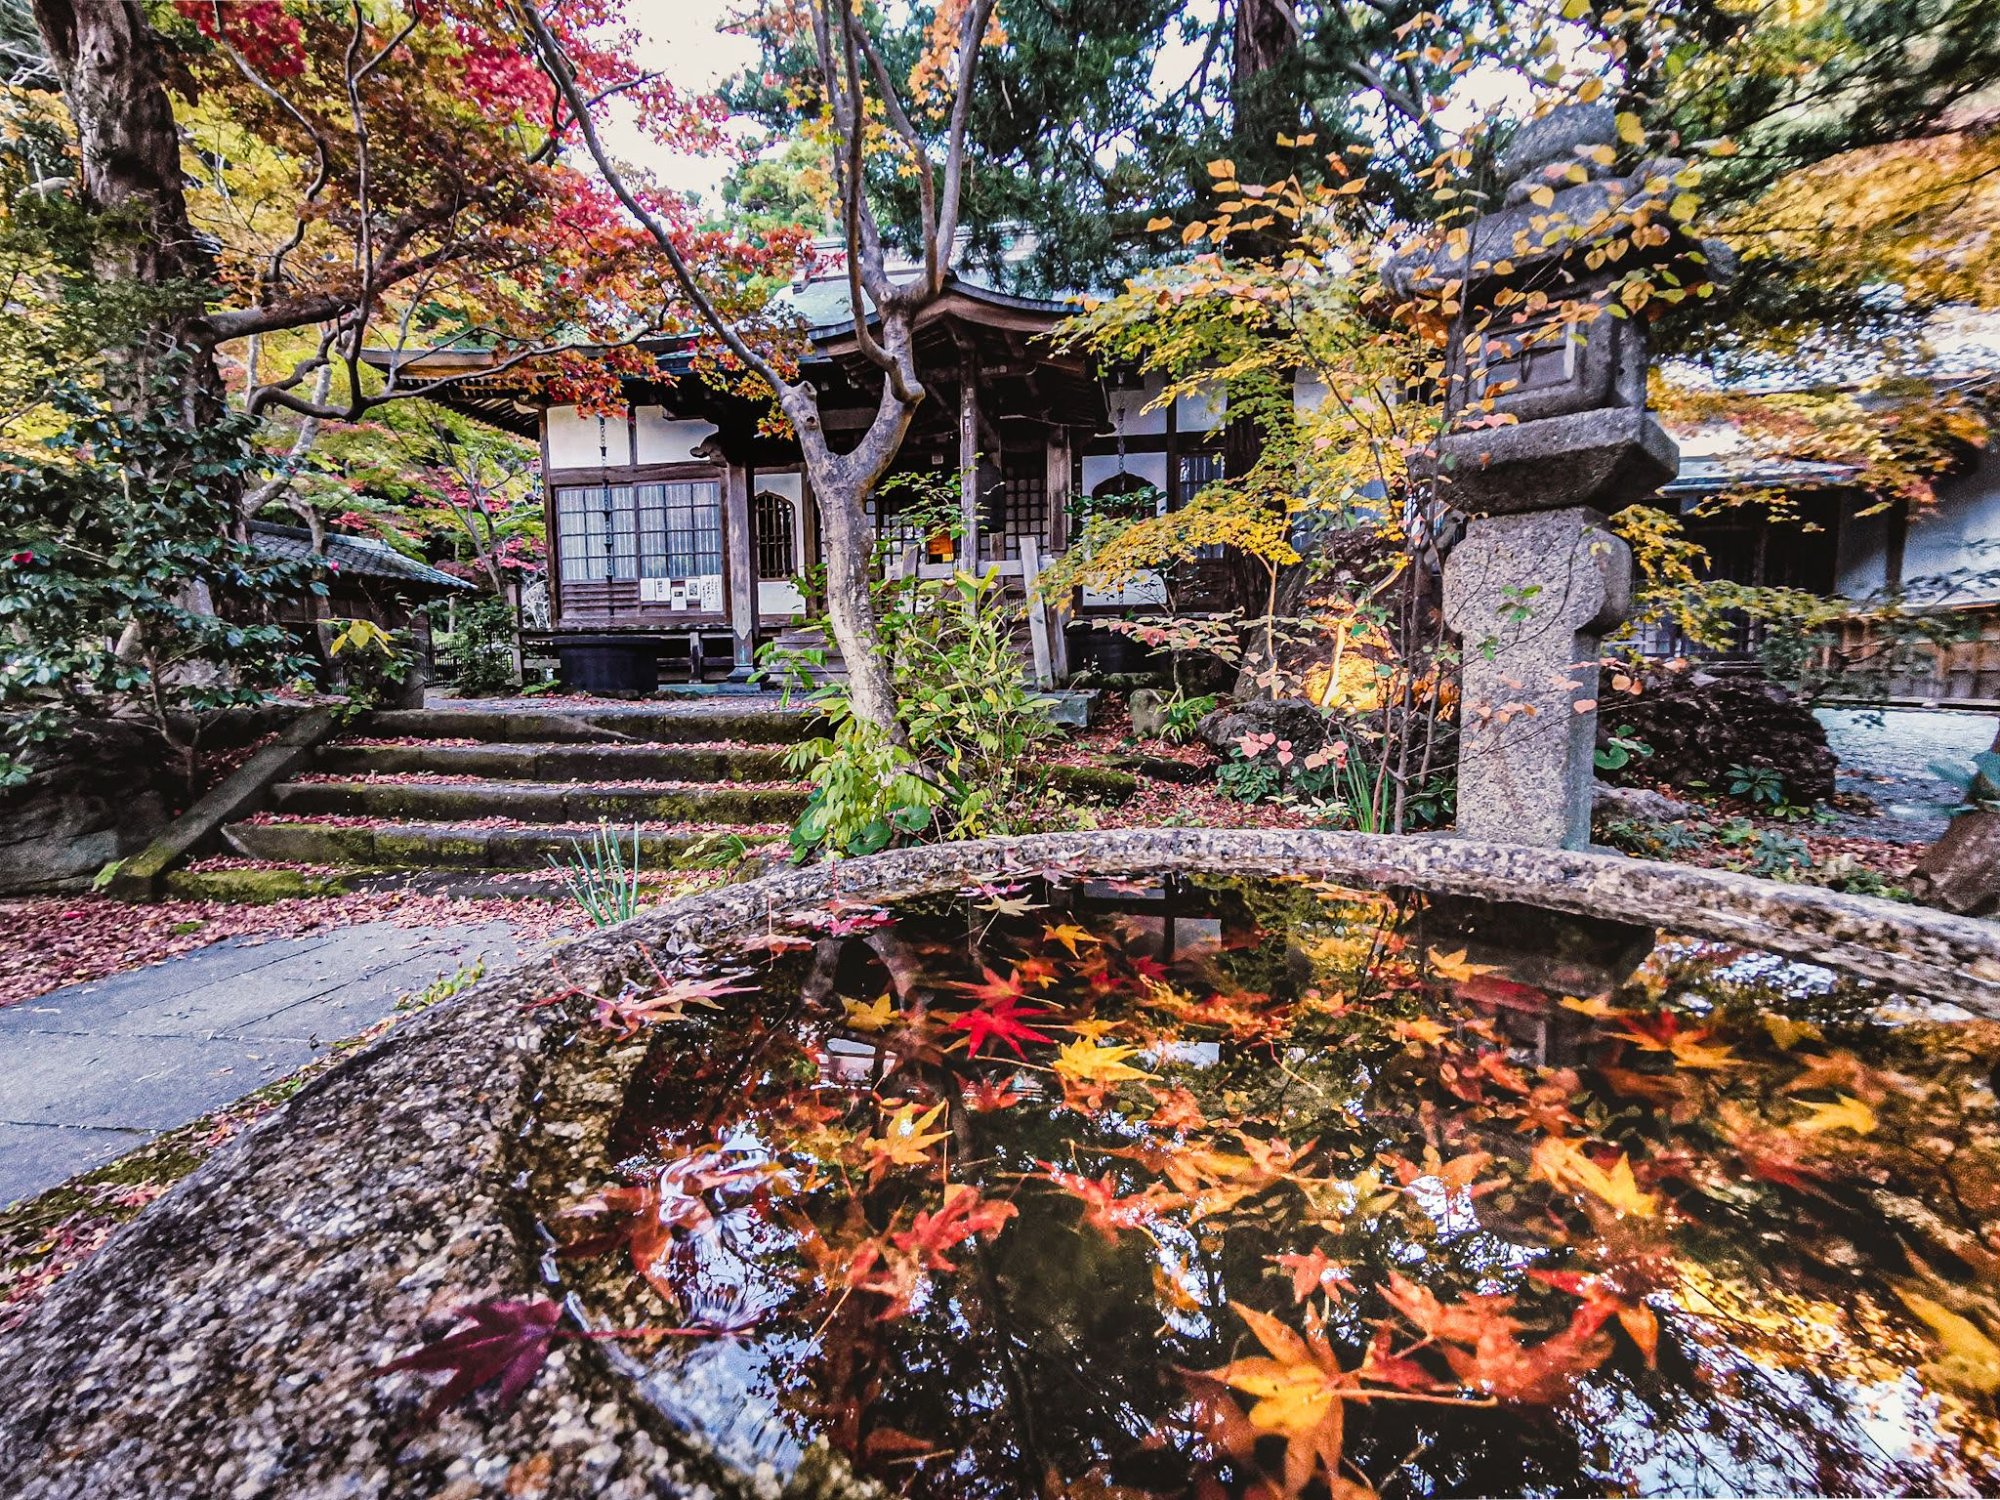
x=1128, y=409
x=1309, y=394
x=667, y=440
x=1151, y=467
x=1204, y=410
x=1861, y=566
x=1960, y=534
x=778, y=596
x=579, y=441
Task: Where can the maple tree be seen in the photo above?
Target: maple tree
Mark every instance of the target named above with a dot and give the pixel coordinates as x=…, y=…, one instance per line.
x=865, y=111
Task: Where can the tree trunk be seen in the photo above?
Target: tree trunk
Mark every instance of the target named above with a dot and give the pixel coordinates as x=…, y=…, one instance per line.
x=841, y=484
x=108, y=61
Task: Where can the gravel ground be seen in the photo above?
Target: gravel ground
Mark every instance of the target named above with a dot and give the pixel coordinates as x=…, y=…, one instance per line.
x=1886, y=755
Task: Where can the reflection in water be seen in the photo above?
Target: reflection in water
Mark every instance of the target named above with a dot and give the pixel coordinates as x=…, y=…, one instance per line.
x=1226, y=1188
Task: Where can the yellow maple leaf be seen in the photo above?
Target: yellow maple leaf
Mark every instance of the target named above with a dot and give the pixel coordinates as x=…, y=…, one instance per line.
x=1597, y=1007
x=1094, y=1030
x=877, y=1015
x=1069, y=935
x=1564, y=1163
x=1428, y=1032
x=1787, y=1033
x=1692, y=1052
x=1971, y=1359
x=1849, y=1114
x=1453, y=965
x=907, y=1136
x=1087, y=1061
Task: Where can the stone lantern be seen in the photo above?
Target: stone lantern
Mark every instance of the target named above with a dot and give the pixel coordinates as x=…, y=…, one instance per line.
x=1546, y=433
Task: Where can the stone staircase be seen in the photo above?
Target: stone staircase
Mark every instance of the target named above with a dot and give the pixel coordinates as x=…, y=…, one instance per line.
x=504, y=788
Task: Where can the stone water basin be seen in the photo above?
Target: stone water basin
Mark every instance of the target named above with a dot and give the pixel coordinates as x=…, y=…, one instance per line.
x=1068, y=1182
x=1813, y=1292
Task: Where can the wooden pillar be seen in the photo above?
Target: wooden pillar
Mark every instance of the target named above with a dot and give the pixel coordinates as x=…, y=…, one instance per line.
x=1038, y=613
x=739, y=561
x=968, y=460
x=1056, y=611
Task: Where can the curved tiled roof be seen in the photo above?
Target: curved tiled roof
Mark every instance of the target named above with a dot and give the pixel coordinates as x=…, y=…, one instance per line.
x=356, y=556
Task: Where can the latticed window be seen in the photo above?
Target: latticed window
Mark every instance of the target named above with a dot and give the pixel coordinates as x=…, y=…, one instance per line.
x=625, y=531
x=1197, y=472
x=896, y=523
x=1022, y=507
x=775, y=519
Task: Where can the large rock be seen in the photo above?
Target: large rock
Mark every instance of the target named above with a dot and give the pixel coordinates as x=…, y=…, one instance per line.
x=1700, y=725
x=1291, y=719
x=97, y=796
x=1961, y=871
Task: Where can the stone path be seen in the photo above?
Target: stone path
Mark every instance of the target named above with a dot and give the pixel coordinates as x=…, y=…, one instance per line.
x=91, y=1071
x=1887, y=755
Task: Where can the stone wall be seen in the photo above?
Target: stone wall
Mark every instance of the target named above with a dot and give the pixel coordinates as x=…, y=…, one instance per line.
x=104, y=793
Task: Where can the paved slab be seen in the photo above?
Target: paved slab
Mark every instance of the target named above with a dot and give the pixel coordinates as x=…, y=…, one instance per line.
x=92, y=1070
x=1887, y=754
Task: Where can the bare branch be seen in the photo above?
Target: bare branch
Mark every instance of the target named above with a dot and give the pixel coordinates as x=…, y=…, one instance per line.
x=557, y=65
x=978, y=14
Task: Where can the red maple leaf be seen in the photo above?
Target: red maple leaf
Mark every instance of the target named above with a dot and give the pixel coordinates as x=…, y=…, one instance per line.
x=507, y=1342
x=997, y=1020
x=1103, y=1209
x=984, y=1095
x=997, y=988
x=964, y=1215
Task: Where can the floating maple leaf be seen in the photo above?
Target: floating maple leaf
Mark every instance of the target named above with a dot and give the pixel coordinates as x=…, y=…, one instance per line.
x=1689, y=1047
x=997, y=1020
x=874, y=1015
x=1104, y=1208
x=905, y=1138
x=1069, y=935
x=1454, y=967
x=1313, y=1273
x=1091, y=1067
x=964, y=1215
x=1300, y=1395
x=630, y=1009
x=1561, y=1161
x=983, y=1095
x=1847, y=1114
x=507, y=1342
x=1480, y=1339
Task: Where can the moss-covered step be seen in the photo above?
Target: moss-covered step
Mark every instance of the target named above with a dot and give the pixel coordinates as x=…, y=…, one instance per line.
x=557, y=762
x=538, y=802
x=448, y=845
x=649, y=723
x=250, y=887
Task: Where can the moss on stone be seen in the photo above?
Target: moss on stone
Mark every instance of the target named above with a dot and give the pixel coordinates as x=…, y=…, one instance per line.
x=251, y=887
x=1094, y=783
x=460, y=847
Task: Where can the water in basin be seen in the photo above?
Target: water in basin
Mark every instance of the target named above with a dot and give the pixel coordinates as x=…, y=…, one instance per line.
x=1123, y=1187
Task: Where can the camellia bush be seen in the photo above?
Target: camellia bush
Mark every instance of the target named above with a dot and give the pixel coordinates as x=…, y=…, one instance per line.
x=125, y=592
